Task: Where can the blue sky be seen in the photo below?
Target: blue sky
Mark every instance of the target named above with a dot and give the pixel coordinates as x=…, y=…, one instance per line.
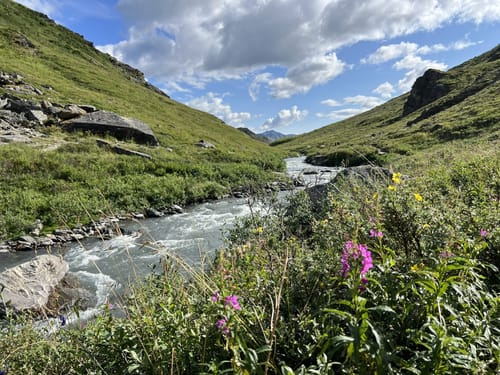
x=286, y=65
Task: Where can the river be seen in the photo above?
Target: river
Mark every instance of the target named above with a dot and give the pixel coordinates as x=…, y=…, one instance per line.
x=106, y=267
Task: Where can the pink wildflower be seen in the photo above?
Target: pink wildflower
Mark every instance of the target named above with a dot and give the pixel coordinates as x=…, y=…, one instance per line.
x=215, y=296
x=233, y=302
x=376, y=233
x=483, y=233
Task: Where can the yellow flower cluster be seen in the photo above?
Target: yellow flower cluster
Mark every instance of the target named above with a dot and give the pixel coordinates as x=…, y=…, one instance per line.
x=396, y=178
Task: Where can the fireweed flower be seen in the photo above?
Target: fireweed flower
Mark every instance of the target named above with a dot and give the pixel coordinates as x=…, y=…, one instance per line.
x=215, y=296
x=356, y=252
x=376, y=233
x=222, y=326
x=232, y=301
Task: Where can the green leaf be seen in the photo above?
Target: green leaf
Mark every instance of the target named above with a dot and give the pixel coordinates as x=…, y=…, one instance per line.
x=383, y=308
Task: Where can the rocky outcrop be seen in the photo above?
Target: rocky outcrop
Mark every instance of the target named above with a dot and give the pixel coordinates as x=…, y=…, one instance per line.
x=425, y=90
x=30, y=285
x=22, y=120
x=103, y=122
x=368, y=174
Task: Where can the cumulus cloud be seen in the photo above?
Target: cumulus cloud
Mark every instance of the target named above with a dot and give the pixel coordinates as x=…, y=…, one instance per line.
x=394, y=51
x=415, y=66
x=302, y=77
x=212, y=103
x=355, y=105
x=385, y=90
x=205, y=40
x=331, y=103
x=284, y=118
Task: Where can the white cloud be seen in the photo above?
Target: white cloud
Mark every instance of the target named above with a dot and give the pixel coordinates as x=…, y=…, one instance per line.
x=415, y=67
x=284, y=118
x=390, y=52
x=363, y=101
x=213, y=104
x=394, y=51
x=43, y=6
x=331, y=103
x=205, y=40
x=356, y=104
x=306, y=75
x=254, y=88
x=385, y=90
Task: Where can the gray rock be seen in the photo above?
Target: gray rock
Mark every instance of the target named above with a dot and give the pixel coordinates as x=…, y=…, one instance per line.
x=70, y=111
x=366, y=173
x=29, y=285
x=37, y=116
x=151, y=212
x=103, y=122
x=204, y=144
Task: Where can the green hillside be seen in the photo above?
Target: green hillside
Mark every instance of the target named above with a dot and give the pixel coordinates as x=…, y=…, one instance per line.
x=44, y=179
x=457, y=108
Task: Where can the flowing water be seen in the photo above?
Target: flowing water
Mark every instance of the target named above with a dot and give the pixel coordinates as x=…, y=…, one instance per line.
x=106, y=267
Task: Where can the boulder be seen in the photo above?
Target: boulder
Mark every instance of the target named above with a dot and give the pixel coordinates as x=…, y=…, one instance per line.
x=103, y=122
x=368, y=174
x=29, y=286
x=204, y=144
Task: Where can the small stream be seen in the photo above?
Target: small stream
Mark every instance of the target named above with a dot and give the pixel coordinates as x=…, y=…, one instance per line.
x=106, y=267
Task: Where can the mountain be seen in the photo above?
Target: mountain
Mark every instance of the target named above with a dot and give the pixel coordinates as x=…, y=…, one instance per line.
x=458, y=107
x=63, y=178
x=267, y=136
x=273, y=135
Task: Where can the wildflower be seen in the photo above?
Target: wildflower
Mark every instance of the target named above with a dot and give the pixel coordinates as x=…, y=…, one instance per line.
x=215, y=296
x=232, y=301
x=354, y=252
x=446, y=254
x=324, y=222
x=483, y=233
x=396, y=178
x=222, y=326
x=63, y=320
x=259, y=230
x=414, y=268
x=391, y=188
x=426, y=226
x=367, y=261
x=376, y=233
x=418, y=197
x=345, y=258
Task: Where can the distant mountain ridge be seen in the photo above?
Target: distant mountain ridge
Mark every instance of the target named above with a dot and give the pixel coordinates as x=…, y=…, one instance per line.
x=267, y=136
x=459, y=105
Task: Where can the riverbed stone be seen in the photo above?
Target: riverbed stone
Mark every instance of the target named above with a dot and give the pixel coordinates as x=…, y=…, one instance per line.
x=29, y=285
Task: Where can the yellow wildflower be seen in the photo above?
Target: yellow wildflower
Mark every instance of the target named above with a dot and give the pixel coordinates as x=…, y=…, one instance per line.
x=414, y=268
x=391, y=187
x=426, y=226
x=259, y=230
x=418, y=197
x=396, y=178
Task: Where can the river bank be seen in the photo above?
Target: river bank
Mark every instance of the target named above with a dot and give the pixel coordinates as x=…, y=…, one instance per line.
x=128, y=248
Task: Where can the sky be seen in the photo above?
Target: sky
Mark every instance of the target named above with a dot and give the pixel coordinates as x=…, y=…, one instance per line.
x=286, y=65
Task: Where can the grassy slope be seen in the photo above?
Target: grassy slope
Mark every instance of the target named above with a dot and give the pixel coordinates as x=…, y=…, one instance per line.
x=383, y=135
x=37, y=182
